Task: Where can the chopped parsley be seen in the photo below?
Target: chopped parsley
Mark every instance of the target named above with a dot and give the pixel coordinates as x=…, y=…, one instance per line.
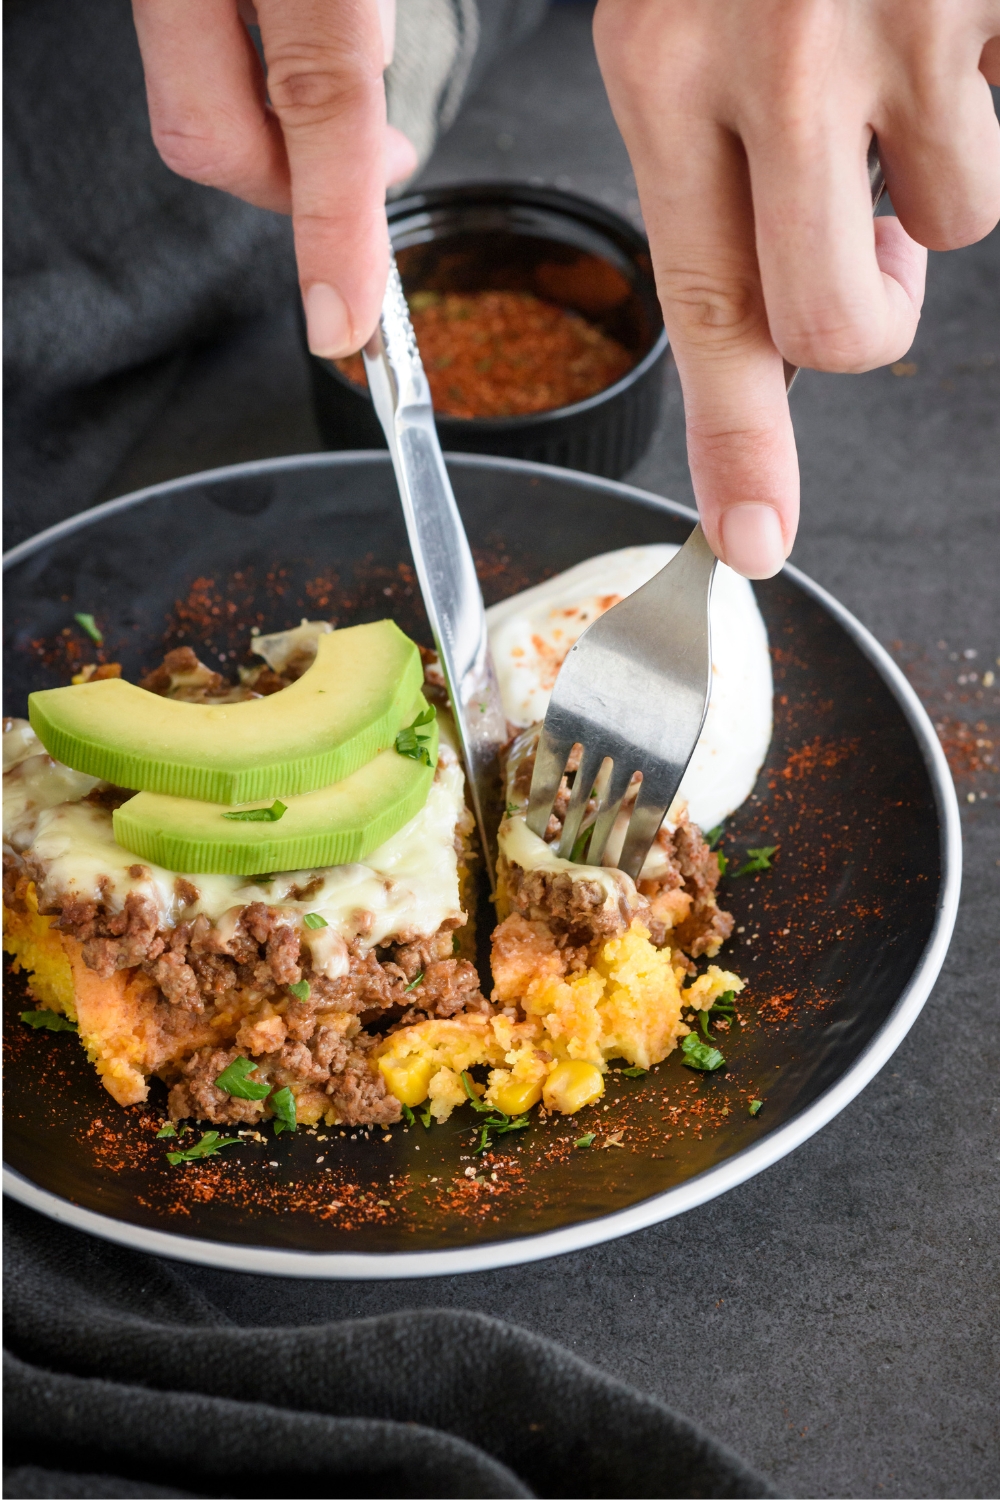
x=408, y=1114
x=723, y=1009
x=313, y=919
x=760, y=859
x=300, y=990
x=713, y=835
x=722, y=861
x=414, y=982
x=456, y=943
x=89, y=626
x=425, y=1117
x=235, y=1080
x=47, y=1020
x=585, y=1141
x=512, y=808
x=700, y=1055
x=755, y=1106
x=168, y=1129
x=414, y=745
x=210, y=1143
x=258, y=814
x=634, y=1072
x=496, y=1122
x=580, y=846
x=282, y=1103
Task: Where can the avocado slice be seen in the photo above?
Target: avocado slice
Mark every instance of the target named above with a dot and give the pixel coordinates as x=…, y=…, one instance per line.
x=343, y=710
x=335, y=825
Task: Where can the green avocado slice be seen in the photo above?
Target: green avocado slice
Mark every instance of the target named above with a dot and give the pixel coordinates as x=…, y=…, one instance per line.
x=343, y=710
x=336, y=825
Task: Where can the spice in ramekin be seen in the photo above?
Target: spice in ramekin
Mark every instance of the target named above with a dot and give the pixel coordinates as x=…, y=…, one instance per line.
x=506, y=354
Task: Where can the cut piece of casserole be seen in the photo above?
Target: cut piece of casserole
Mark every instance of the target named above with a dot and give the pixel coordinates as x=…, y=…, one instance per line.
x=175, y=976
x=352, y=986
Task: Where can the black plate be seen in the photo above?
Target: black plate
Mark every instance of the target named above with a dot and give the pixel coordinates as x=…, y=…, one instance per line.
x=855, y=916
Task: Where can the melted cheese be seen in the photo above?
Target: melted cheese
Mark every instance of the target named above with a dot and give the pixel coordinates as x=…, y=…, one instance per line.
x=522, y=847
x=409, y=885
x=285, y=646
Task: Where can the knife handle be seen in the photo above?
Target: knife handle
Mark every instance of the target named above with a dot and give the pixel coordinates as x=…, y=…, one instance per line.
x=441, y=553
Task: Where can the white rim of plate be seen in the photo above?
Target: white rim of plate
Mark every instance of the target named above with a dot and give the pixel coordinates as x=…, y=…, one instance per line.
x=371, y=1266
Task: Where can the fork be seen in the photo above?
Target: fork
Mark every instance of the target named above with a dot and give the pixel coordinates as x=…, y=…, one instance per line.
x=633, y=692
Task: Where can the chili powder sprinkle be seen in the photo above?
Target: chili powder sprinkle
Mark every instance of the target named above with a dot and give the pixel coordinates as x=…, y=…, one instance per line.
x=506, y=354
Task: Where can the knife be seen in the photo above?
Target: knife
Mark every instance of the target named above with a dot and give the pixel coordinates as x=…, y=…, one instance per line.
x=445, y=570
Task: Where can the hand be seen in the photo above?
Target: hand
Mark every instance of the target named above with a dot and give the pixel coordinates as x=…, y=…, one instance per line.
x=310, y=140
x=748, y=124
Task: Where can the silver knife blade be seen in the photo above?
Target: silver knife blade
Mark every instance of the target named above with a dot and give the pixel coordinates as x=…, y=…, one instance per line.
x=441, y=553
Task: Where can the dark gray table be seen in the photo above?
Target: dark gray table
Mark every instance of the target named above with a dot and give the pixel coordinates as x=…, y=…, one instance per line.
x=834, y=1320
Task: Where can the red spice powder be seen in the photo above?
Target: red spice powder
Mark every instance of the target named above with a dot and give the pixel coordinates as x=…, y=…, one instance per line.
x=820, y=754
x=506, y=354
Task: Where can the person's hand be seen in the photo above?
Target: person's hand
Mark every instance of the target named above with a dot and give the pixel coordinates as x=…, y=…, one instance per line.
x=310, y=140
x=748, y=123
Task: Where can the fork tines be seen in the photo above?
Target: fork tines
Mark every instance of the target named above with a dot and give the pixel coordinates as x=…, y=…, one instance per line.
x=633, y=693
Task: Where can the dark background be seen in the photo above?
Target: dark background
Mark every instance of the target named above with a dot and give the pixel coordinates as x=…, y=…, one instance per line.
x=834, y=1320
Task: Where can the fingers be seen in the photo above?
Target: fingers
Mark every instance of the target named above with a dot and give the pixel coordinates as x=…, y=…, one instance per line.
x=989, y=61
x=401, y=159
x=324, y=62
x=831, y=304
x=695, y=194
x=901, y=259
x=207, y=99
x=940, y=150
x=741, y=448
x=387, y=22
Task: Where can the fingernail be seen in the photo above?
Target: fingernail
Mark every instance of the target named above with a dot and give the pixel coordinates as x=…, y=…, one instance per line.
x=752, y=542
x=328, y=326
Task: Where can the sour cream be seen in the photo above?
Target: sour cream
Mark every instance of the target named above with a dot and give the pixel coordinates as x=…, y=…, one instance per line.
x=531, y=633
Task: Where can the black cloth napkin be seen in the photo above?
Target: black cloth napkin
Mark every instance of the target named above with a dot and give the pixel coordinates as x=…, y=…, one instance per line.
x=122, y=1380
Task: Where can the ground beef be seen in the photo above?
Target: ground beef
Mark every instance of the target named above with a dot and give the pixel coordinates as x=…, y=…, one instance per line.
x=15, y=882
x=572, y=909
x=216, y=977
x=370, y=985
x=176, y=979
x=263, y=680
x=196, y=1096
x=450, y=985
x=416, y=957
x=577, y=911
x=705, y=930
x=109, y=797
x=692, y=867
x=329, y=1048
x=115, y=940
x=177, y=665
x=182, y=676
x=358, y=1093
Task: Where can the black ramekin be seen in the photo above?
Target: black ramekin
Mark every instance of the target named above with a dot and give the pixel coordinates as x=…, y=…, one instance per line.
x=495, y=236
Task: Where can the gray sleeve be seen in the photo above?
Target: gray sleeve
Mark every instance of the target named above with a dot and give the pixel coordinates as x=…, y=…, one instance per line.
x=443, y=49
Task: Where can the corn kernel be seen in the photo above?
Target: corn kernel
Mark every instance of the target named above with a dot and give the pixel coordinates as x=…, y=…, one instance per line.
x=572, y=1085
x=407, y=1078
x=516, y=1095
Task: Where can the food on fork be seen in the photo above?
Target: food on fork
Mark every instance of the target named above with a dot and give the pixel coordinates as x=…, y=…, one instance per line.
x=169, y=928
